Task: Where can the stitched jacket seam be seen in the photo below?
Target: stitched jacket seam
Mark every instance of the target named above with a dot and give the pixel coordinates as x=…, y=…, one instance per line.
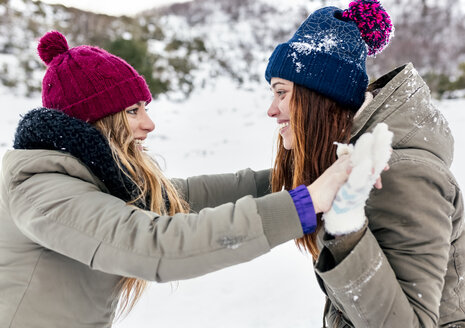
x=27, y=287
x=427, y=163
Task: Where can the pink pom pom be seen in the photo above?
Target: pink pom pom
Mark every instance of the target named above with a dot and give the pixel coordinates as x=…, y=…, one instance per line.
x=51, y=45
x=373, y=22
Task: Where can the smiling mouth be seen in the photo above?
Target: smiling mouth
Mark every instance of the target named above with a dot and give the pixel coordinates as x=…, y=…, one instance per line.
x=139, y=143
x=281, y=126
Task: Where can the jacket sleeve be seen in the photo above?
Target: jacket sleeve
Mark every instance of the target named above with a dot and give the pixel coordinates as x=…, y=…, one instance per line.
x=75, y=218
x=394, y=275
x=213, y=190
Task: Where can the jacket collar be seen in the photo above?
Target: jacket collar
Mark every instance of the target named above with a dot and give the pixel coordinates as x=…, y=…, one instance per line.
x=387, y=84
x=403, y=101
x=366, y=102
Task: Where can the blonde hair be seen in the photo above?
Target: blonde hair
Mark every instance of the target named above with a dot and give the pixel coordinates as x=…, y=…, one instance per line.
x=148, y=178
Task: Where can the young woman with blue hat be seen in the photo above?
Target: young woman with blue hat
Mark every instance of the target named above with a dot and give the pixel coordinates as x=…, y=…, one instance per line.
x=393, y=257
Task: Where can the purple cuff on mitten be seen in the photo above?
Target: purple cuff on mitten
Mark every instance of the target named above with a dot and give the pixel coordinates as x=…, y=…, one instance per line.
x=304, y=206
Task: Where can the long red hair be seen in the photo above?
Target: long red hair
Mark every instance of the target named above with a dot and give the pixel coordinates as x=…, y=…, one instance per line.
x=317, y=122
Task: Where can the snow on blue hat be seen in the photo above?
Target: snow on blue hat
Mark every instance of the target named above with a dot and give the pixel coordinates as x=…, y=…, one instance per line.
x=327, y=53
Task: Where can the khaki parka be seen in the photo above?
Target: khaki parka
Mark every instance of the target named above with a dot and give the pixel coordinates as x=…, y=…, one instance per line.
x=406, y=268
x=65, y=242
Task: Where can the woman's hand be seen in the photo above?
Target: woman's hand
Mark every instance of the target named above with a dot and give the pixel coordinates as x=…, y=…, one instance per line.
x=323, y=190
x=369, y=158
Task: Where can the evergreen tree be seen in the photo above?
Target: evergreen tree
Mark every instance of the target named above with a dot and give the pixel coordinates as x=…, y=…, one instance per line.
x=136, y=53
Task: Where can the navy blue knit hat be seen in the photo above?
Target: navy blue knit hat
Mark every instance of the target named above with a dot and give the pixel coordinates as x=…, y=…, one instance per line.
x=327, y=54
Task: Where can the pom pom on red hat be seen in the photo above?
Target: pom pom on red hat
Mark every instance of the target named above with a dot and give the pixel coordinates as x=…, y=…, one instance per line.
x=51, y=45
x=373, y=22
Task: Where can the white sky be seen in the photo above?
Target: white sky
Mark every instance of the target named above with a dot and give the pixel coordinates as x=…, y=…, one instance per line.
x=123, y=7
x=114, y=7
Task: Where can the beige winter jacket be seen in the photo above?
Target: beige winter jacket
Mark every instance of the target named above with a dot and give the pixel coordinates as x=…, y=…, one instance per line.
x=65, y=242
x=406, y=269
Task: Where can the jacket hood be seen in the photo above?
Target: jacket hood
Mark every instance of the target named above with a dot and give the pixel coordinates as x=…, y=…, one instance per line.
x=19, y=165
x=402, y=101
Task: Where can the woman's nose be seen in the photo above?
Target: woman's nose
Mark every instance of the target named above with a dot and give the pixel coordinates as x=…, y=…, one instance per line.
x=273, y=110
x=147, y=123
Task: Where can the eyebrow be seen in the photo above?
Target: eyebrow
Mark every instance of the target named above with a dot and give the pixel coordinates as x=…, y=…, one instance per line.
x=137, y=104
x=275, y=84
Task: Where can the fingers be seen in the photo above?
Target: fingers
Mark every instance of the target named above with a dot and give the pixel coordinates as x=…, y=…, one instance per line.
x=342, y=164
x=364, y=161
x=349, y=169
x=346, y=162
x=368, y=158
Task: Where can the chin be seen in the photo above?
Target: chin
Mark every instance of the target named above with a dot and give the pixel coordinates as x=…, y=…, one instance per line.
x=288, y=145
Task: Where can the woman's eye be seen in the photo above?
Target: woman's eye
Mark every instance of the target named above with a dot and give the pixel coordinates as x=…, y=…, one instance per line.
x=132, y=111
x=280, y=93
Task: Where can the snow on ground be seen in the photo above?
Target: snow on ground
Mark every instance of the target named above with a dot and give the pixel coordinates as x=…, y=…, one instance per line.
x=223, y=130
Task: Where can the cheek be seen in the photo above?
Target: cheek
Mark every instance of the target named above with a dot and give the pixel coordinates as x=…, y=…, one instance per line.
x=284, y=107
x=132, y=124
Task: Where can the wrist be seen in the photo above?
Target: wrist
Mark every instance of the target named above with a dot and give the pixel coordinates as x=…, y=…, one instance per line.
x=312, y=193
x=304, y=206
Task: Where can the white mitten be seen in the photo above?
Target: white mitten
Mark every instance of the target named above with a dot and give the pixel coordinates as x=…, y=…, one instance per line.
x=369, y=157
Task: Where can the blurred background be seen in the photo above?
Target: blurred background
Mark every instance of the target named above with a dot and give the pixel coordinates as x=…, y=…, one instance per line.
x=181, y=47
x=204, y=61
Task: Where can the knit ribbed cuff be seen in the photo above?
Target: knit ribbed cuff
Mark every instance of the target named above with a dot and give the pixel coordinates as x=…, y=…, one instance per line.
x=279, y=217
x=304, y=206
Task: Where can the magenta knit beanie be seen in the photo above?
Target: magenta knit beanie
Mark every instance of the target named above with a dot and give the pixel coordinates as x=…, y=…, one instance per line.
x=87, y=82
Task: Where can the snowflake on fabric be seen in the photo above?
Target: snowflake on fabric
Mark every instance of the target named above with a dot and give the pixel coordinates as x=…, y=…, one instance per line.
x=325, y=44
x=327, y=33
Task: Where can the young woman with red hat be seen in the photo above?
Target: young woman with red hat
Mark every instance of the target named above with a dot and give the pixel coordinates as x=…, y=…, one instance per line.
x=87, y=217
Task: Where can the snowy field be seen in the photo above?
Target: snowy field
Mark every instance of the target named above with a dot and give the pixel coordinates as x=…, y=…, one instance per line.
x=216, y=131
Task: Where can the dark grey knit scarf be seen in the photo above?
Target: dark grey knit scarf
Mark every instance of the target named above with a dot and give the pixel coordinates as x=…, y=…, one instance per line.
x=43, y=128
